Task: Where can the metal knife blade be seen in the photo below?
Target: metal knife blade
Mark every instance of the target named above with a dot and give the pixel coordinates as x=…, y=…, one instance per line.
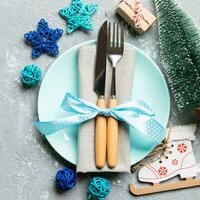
x=100, y=68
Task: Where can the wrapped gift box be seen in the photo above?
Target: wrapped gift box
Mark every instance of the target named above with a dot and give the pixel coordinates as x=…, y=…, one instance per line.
x=127, y=10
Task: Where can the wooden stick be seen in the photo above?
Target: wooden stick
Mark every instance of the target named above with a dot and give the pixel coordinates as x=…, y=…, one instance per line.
x=198, y=113
x=157, y=187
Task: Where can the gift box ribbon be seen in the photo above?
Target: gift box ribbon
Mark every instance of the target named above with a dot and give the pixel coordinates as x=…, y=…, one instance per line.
x=137, y=114
x=137, y=9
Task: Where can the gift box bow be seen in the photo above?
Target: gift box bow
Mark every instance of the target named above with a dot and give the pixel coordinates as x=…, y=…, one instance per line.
x=137, y=114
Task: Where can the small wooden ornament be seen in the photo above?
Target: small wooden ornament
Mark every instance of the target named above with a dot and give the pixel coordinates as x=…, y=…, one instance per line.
x=133, y=12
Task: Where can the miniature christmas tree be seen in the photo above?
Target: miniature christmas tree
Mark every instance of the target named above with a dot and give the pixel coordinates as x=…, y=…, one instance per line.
x=180, y=53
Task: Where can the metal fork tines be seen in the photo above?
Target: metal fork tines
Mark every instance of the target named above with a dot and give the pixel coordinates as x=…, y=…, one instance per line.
x=115, y=51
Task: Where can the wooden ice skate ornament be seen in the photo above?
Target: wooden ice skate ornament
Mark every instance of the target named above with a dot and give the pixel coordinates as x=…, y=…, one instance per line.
x=177, y=159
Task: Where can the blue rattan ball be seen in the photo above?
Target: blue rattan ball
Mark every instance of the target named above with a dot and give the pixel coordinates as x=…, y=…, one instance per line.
x=30, y=75
x=65, y=179
x=98, y=188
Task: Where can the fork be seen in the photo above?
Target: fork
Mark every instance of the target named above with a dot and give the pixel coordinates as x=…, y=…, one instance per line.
x=115, y=51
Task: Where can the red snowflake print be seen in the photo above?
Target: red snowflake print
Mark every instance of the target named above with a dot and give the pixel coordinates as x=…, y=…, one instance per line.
x=162, y=171
x=174, y=162
x=182, y=148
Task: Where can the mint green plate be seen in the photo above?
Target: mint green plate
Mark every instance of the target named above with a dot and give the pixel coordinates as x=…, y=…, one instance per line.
x=149, y=86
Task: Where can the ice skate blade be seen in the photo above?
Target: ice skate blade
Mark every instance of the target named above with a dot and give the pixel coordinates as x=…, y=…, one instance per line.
x=155, y=188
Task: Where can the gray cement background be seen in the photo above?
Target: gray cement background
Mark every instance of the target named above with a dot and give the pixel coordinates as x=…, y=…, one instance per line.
x=27, y=162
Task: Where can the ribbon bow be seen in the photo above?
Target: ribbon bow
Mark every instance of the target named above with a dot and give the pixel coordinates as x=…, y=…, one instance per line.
x=137, y=114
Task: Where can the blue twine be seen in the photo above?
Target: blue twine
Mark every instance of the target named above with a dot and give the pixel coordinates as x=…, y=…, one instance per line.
x=44, y=40
x=98, y=188
x=30, y=75
x=105, y=112
x=78, y=15
x=65, y=179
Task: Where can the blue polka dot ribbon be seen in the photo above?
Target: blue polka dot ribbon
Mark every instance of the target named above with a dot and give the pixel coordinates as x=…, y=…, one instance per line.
x=137, y=114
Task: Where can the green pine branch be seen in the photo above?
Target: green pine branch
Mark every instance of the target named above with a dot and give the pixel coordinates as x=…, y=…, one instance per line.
x=180, y=53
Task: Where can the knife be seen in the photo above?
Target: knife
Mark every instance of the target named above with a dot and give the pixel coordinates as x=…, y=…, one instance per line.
x=99, y=88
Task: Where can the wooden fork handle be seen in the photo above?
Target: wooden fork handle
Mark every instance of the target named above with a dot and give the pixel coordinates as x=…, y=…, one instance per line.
x=100, y=137
x=112, y=138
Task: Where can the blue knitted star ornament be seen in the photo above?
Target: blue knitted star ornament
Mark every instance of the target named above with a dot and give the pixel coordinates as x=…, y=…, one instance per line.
x=44, y=40
x=78, y=15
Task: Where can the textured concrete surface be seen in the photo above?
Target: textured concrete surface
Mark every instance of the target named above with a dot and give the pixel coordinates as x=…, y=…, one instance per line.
x=27, y=162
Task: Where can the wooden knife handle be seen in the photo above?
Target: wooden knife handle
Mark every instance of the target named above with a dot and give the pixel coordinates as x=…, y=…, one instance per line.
x=112, y=138
x=100, y=137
